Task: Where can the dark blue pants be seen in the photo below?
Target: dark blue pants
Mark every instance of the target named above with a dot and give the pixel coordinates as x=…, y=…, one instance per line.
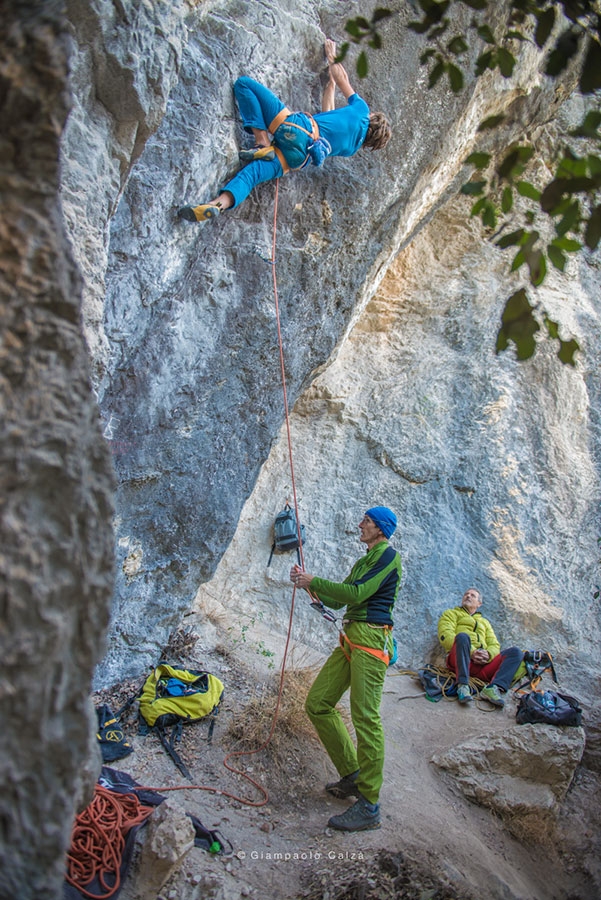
x=499, y=671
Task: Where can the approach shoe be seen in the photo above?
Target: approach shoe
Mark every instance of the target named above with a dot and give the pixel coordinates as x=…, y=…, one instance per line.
x=492, y=694
x=345, y=787
x=253, y=153
x=199, y=213
x=464, y=694
x=361, y=816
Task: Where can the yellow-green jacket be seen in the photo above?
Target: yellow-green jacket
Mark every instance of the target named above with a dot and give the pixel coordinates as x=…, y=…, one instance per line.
x=457, y=620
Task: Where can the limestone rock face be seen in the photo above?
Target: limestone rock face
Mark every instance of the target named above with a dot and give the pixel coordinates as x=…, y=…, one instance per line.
x=55, y=477
x=180, y=318
x=522, y=774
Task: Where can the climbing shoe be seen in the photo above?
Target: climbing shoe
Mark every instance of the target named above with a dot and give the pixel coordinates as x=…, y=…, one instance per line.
x=344, y=788
x=199, y=213
x=256, y=153
x=361, y=816
x=492, y=694
x=464, y=695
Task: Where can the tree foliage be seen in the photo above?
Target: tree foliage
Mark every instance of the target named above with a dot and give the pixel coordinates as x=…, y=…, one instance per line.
x=542, y=224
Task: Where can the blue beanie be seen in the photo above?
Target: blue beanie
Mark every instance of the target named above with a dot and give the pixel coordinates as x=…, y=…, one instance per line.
x=384, y=518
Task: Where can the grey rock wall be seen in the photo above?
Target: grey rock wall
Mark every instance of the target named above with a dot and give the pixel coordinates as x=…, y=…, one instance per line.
x=55, y=474
x=185, y=360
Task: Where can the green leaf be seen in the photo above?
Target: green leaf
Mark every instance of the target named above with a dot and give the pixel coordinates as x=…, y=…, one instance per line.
x=544, y=26
x=475, y=4
x=380, y=13
x=376, y=42
x=567, y=244
x=491, y=122
x=455, y=78
x=473, y=188
x=507, y=200
x=418, y=27
x=457, y=45
x=566, y=351
x=518, y=261
x=506, y=62
x=565, y=48
x=570, y=220
x=537, y=266
x=353, y=29
x=556, y=257
x=487, y=60
x=436, y=73
x=489, y=215
x=426, y=55
x=556, y=189
x=343, y=50
x=518, y=325
x=593, y=229
x=362, y=64
x=478, y=159
x=486, y=34
x=362, y=23
x=594, y=164
x=525, y=189
x=590, y=74
x=510, y=240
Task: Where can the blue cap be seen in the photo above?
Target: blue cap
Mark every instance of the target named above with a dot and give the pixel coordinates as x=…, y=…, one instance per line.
x=384, y=518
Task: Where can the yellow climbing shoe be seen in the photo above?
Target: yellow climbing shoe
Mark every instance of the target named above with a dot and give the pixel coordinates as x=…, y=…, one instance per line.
x=267, y=153
x=199, y=213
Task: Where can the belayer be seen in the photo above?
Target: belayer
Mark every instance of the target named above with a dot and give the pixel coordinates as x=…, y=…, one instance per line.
x=285, y=140
x=360, y=663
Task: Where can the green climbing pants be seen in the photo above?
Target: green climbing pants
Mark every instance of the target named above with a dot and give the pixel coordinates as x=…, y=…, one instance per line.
x=364, y=674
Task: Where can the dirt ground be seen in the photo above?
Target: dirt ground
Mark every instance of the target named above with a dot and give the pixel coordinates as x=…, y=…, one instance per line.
x=433, y=844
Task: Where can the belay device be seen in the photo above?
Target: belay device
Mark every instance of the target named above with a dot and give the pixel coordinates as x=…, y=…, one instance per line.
x=285, y=533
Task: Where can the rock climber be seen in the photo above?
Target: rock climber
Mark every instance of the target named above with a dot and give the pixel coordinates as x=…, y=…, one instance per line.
x=360, y=662
x=285, y=140
x=474, y=651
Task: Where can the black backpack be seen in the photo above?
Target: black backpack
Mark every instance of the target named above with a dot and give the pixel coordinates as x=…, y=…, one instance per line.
x=548, y=708
x=285, y=533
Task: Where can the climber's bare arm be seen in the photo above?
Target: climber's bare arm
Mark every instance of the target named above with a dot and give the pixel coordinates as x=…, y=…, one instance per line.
x=338, y=78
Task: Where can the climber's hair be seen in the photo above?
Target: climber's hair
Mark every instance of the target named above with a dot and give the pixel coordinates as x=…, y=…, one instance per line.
x=379, y=131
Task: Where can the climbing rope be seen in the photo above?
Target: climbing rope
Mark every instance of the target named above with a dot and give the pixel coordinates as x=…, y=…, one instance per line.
x=98, y=836
x=98, y=840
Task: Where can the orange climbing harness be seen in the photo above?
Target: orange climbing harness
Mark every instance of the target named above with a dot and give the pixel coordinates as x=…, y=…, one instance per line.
x=279, y=120
x=382, y=655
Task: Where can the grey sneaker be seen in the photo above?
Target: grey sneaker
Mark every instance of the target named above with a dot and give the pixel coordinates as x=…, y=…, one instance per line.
x=492, y=694
x=361, y=816
x=345, y=787
x=464, y=695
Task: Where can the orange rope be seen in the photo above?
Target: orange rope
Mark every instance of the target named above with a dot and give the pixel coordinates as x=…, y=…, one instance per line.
x=98, y=840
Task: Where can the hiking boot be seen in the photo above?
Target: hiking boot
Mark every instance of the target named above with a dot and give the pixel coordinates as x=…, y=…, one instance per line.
x=361, y=816
x=492, y=694
x=464, y=694
x=199, y=213
x=267, y=153
x=344, y=788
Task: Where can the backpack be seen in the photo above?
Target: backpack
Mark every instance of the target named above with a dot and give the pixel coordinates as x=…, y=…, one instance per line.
x=548, y=708
x=536, y=663
x=285, y=533
x=173, y=697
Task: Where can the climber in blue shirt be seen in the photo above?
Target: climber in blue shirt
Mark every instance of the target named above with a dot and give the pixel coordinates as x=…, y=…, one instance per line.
x=285, y=141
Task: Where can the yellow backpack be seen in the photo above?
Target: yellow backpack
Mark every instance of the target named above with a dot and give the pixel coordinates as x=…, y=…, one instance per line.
x=175, y=697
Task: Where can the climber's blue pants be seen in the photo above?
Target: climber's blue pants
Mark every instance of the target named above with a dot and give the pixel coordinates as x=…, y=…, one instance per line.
x=258, y=108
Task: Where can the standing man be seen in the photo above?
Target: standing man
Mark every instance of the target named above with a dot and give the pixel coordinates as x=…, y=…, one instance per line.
x=286, y=140
x=473, y=650
x=360, y=662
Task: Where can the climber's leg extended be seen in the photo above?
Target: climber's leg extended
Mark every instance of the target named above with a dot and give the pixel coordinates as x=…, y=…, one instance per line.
x=258, y=108
x=235, y=191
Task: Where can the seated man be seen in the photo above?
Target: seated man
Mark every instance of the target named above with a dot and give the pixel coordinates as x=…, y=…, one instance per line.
x=473, y=650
